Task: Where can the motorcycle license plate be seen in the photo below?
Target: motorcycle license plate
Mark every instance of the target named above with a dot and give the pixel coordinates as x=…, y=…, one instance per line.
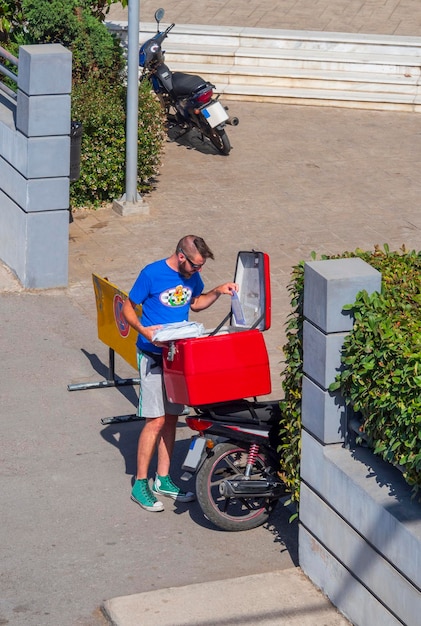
x=194, y=454
x=214, y=114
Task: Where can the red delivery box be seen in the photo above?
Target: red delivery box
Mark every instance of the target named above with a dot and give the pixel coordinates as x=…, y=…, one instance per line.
x=230, y=362
x=213, y=369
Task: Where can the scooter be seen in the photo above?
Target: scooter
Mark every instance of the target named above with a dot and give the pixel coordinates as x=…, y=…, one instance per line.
x=187, y=100
x=236, y=463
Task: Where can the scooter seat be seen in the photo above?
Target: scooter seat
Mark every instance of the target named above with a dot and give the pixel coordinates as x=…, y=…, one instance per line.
x=185, y=84
x=242, y=411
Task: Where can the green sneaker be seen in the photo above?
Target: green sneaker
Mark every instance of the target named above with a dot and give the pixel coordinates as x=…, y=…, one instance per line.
x=164, y=486
x=143, y=496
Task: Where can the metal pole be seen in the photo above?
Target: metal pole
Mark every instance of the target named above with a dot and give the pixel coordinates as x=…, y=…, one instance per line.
x=132, y=101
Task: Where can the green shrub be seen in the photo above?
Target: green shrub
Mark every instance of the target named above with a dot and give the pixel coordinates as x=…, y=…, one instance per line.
x=290, y=424
x=101, y=109
x=13, y=20
x=98, y=93
x=382, y=355
x=382, y=358
x=11, y=17
x=72, y=23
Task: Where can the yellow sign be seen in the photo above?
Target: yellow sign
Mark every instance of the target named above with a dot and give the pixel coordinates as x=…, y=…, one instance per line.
x=113, y=330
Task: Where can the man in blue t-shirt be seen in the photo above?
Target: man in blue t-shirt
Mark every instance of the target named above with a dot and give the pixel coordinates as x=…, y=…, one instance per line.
x=167, y=290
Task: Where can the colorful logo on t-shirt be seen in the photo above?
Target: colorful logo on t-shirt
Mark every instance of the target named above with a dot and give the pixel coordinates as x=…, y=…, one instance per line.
x=122, y=325
x=178, y=296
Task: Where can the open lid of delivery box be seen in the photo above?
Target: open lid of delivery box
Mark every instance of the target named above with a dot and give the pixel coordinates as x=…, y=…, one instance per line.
x=251, y=306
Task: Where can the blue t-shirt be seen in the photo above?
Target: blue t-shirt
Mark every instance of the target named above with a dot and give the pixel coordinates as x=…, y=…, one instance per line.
x=165, y=297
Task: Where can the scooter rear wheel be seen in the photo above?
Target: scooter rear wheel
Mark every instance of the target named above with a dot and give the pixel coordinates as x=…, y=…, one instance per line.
x=219, y=139
x=228, y=461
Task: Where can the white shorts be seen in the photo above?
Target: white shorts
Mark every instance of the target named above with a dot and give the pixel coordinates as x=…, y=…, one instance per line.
x=153, y=401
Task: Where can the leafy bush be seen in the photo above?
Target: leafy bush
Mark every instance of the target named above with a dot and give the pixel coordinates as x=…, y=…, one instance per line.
x=11, y=16
x=13, y=20
x=290, y=423
x=382, y=358
x=72, y=23
x=101, y=108
x=98, y=93
x=382, y=355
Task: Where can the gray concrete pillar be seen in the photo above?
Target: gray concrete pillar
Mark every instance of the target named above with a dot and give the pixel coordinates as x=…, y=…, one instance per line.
x=328, y=287
x=34, y=169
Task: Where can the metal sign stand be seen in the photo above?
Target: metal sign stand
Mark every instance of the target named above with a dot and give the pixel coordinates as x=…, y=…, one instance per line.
x=111, y=381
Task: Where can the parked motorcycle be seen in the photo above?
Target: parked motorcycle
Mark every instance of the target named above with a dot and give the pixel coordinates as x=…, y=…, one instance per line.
x=236, y=464
x=187, y=100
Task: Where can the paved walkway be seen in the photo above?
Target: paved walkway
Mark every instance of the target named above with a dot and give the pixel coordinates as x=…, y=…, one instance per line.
x=298, y=179
x=387, y=17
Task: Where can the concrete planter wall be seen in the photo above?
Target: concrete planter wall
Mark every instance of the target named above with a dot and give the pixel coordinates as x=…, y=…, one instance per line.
x=360, y=533
x=35, y=166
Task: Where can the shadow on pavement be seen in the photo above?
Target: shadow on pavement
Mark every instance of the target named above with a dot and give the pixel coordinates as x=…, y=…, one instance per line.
x=129, y=392
x=192, y=140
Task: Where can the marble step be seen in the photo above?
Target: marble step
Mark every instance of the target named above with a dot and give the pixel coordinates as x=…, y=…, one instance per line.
x=305, y=67
x=317, y=97
x=222, y=75
x=238, y=37
x=333, y=59
x=294, y=76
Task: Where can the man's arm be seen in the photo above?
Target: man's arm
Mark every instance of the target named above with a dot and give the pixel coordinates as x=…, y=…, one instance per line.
x=131, y=318
x=205, y=300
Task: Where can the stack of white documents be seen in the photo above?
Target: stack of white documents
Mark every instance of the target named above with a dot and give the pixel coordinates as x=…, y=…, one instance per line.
x=179, y=330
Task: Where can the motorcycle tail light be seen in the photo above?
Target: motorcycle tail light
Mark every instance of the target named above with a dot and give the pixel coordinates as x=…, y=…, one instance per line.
x=204, y=97
x=195, y=423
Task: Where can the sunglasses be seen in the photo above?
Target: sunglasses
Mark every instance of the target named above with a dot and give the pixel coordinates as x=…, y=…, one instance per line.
x=195, y=266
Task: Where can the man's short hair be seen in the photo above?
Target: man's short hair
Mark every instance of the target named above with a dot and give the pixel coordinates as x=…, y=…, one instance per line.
x=191, y=244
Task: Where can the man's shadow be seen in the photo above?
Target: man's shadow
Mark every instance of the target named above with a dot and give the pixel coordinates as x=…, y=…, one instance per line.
x=124, y=437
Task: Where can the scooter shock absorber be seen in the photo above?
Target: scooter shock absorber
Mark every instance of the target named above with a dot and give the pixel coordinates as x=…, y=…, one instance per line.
x=251, y=459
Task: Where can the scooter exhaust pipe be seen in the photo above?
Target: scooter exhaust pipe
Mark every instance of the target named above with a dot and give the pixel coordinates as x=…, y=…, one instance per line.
x=233, y=121
x=251, y=489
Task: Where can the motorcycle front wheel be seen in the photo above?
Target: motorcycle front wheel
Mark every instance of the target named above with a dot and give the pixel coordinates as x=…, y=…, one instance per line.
x=228, y=461
x=219, y=139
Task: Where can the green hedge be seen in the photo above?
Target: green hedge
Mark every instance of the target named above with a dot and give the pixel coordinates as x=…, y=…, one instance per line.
x=100, y=107
x=77, y=25
x=382, y=358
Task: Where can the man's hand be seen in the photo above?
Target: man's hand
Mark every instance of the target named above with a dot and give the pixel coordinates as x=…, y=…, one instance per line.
x=226, y=288
x=206, y=299
x=148, y=333
x=131, y=318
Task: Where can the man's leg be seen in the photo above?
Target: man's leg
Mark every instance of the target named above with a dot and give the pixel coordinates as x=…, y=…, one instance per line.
x=157, y=432
x=148, y=440
x=166, y=444
x=163, y=484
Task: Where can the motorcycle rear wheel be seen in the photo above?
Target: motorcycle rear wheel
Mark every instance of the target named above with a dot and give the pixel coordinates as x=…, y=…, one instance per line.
x=228, y=461
x=219, y=139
